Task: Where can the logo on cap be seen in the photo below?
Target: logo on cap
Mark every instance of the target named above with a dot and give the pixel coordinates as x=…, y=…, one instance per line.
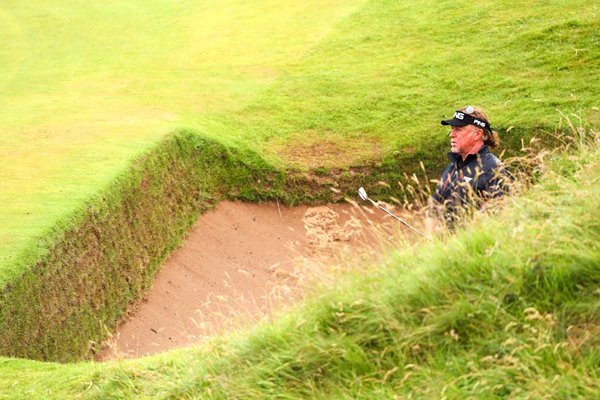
x=466, y=118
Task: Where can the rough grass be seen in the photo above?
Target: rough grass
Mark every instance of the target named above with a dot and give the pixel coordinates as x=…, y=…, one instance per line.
x=507, y=307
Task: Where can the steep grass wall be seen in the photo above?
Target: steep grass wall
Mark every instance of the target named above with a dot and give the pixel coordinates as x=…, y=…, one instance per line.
x=105, y=256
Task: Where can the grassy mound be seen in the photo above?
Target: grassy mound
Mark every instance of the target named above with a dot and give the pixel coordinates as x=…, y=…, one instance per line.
x=506, y=308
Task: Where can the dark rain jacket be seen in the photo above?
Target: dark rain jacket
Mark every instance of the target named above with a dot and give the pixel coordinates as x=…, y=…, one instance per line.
x=466, y=183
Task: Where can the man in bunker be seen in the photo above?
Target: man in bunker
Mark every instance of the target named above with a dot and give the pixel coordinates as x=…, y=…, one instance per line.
x=474, y=173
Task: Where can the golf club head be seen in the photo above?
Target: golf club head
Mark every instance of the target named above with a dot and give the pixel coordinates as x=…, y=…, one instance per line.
x=362, y=193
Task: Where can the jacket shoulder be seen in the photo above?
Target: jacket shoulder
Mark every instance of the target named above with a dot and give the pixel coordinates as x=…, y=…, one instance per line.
x=490, y=161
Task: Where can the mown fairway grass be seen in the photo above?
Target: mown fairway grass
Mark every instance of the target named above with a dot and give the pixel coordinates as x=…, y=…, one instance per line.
x=87, y=88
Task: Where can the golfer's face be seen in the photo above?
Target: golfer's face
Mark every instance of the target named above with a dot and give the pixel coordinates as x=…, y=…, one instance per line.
x=463, y=139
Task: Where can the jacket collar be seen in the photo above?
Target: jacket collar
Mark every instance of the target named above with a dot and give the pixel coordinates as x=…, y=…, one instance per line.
x=457, y=159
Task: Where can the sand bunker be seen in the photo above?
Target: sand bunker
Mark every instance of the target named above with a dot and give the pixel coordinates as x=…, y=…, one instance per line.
x=240, y=262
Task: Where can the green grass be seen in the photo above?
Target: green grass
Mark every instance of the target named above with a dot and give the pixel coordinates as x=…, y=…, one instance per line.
x=333, y=93
x=393, y=70
x=505, y=308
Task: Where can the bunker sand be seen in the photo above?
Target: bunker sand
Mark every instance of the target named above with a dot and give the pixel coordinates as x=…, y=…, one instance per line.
x=241, y=262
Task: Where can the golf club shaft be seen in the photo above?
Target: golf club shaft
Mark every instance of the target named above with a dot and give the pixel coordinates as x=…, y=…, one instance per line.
x=398, y=218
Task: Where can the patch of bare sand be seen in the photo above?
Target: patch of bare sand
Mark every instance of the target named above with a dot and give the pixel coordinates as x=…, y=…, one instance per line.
x=241, y=262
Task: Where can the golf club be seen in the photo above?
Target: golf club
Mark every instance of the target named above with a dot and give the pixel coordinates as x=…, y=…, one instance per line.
x=362, y=193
